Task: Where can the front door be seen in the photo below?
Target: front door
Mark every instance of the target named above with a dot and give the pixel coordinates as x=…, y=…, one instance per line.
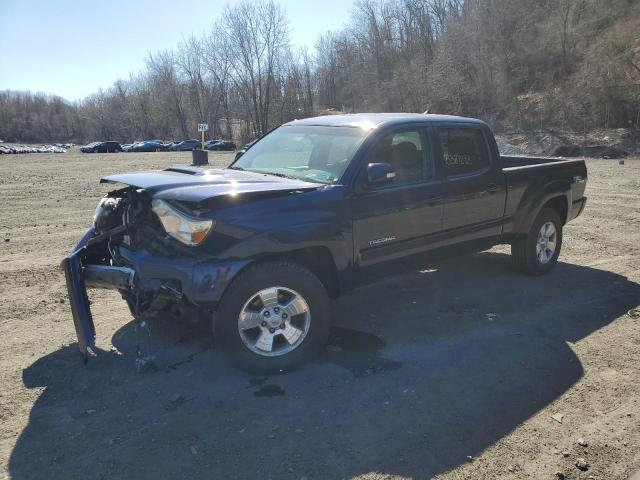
x=396, y=219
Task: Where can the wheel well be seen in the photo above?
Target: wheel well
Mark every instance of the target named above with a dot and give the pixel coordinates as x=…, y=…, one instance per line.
x=319, y=261
x=559, y=204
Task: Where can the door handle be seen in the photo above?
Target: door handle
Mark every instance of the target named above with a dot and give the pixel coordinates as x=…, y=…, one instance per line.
x=492, y=188
x=433, y=200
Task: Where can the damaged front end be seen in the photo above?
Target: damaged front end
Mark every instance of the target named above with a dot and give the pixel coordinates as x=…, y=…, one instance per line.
x=129, y=250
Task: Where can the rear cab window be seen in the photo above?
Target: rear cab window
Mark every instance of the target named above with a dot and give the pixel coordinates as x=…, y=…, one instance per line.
x=463, y=151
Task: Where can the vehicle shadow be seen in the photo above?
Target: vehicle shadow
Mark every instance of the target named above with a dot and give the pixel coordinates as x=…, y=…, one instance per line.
x=423, y=370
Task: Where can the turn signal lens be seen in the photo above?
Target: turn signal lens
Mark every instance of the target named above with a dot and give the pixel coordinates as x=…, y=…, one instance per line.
x=184, y=228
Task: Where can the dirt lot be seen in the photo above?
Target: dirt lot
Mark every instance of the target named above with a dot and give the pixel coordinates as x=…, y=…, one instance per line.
x=452, y=371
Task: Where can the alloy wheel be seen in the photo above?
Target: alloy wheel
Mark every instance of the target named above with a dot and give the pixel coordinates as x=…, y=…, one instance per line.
x=274, y=321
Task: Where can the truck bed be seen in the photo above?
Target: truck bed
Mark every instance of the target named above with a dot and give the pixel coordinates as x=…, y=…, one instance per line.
x=511, y=162
x=527, y=177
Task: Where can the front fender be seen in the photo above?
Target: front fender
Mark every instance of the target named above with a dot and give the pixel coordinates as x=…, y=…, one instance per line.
x=334, y=237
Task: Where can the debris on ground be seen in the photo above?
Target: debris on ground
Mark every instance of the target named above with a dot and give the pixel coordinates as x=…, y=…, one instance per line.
x=611, y=143
x=558, y=417
x=582, y=442
x=595, y=151
x=559, y=475
x=634, y=313
x=582, y=464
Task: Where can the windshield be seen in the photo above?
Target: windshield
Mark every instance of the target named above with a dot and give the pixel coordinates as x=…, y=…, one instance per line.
x=310, y=153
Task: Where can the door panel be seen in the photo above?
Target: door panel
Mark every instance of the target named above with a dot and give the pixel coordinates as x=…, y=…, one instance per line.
x=394, y=220
x=473, y=201
x=390, y=224
x=475, y=188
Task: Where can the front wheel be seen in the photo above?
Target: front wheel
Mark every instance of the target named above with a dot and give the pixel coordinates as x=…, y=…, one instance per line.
x=538, y=251
x=274, y=317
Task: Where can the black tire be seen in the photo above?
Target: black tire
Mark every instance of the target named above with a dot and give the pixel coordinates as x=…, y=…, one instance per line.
x=244, y=288
x=524, y=250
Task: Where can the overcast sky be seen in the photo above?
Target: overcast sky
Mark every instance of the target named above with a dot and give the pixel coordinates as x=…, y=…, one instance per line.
x=73, y=47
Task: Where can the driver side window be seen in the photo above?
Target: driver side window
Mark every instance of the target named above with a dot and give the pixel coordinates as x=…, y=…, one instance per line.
x=405, y=151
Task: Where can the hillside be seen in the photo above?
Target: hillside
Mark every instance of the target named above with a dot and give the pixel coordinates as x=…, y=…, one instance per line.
x=522, y=65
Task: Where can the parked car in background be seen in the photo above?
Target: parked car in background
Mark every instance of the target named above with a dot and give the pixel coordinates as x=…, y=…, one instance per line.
x=316, y=207
x=222, y=145
x=102, y=147
x=148, y=146
x=6, y=149
x=186, y=145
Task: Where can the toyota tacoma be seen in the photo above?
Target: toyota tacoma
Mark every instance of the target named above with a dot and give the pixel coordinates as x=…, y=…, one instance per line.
x=312, y=209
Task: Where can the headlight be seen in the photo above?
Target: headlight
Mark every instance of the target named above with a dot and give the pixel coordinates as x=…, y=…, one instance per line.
x=188, y=230
x=105, y=217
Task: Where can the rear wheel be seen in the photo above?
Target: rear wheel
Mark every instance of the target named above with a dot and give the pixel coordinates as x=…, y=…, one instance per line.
x=274, y=317
x=538, y=251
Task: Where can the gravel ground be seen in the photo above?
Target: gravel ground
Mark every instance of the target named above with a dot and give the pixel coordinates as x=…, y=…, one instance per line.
x=456, y=370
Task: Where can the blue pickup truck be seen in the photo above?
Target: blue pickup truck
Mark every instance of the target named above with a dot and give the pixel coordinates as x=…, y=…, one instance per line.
x=312, y=209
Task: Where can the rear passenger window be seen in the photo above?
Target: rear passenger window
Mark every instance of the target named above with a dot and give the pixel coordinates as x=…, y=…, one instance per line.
x=464, y=151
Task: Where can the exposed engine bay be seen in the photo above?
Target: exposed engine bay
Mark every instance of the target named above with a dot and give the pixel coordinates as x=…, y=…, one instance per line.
x=124, y=223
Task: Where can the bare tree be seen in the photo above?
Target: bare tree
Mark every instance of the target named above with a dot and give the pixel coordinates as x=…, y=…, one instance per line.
x=168, y=89
x=256, y=35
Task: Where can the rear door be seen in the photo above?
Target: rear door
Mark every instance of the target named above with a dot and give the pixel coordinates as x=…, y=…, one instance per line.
x=474, y=191
x=395, y=220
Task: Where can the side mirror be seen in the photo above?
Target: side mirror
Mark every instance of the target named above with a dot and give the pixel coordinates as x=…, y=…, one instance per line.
x=380, y=174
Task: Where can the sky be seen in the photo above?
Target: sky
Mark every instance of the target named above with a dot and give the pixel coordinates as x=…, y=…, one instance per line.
x=71, y=48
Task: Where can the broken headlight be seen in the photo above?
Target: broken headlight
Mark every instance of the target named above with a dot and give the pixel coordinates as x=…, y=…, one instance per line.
x=107, y=215
x=184, y=228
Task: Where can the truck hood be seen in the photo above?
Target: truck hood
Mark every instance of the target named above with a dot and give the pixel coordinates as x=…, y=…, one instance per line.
x=192, y=184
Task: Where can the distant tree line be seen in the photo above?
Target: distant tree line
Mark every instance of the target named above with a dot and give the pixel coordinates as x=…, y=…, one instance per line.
x=519, y=64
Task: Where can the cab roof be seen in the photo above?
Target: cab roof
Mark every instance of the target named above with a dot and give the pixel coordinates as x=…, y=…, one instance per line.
x=373, y=120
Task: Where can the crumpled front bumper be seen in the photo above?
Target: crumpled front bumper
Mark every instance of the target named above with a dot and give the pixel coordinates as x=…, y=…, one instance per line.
x=80, y=309
x=200, y=282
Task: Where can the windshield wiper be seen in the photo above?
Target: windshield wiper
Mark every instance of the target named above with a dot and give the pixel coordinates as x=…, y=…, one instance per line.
x=278, y=174
x=282, y=175
x=275, y=174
